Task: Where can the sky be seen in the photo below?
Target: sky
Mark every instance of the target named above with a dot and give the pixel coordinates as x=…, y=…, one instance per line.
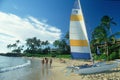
x=49, y=19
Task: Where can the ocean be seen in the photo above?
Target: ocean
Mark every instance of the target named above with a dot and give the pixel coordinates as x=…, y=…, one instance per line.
x=20, y=68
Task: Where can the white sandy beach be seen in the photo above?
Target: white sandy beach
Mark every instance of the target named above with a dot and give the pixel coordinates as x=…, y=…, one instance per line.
x=58, y=72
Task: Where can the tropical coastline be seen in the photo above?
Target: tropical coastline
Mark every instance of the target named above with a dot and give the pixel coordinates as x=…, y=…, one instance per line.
x=83, y=52
x=59, y=72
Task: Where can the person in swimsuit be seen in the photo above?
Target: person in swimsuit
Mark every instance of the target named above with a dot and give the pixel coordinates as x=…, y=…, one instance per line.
x=46, y=62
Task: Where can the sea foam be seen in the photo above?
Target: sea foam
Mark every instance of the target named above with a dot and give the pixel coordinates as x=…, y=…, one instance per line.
x=15, y=67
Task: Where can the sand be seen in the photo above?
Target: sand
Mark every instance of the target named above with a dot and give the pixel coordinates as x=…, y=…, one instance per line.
x=58, y=72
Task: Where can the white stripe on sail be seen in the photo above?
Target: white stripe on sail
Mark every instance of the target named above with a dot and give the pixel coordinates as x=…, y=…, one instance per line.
x=77, y=37
x=78, y=27
x=75, y=27
x=80, y=49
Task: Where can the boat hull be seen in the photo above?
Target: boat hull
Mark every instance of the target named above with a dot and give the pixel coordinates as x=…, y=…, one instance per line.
x=96, y=69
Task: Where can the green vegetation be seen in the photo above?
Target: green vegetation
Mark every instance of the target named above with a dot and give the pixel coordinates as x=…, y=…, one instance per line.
x=105, y=40
x=34, y=47
x=48, y=55
x=102, y=38
x=15, y=47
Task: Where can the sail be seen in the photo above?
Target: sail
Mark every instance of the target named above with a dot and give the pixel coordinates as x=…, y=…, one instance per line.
x=79, y=43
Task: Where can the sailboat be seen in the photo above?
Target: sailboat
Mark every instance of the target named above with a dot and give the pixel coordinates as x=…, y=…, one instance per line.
x=79, y=44
x=78, y=35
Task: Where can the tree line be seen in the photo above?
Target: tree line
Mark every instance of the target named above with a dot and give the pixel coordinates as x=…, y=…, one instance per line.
x=102, y=38
x=36, y=46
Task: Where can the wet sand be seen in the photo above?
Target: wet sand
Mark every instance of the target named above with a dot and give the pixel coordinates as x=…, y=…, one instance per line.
x=56, y=72
x=39, y=71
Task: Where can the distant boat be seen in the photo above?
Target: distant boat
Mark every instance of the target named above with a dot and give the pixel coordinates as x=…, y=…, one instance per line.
x=79, y=44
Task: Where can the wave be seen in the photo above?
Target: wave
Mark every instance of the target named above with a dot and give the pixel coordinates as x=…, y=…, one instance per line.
x=15, y=67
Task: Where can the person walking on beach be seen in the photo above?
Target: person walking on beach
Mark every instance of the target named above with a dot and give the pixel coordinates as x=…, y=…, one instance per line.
x=50, y=63
x=46, y=61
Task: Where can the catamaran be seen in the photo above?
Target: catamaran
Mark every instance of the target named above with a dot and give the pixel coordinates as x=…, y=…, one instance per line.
x=79, y=44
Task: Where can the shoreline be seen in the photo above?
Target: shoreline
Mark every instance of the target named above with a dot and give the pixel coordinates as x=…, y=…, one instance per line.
x=59, y=72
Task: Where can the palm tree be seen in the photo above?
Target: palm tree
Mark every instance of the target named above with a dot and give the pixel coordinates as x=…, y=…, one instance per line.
x=56, y=43
x=102, y=34
x=17, y=41
x=46, y=43
x=46, y=48
x=33, y=45
x=9, y=46
x=107, y=22
x=15, y=47
x=99, y=37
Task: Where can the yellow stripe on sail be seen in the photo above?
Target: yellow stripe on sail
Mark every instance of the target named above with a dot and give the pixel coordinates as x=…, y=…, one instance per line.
x=76, y=17
x=78, y=43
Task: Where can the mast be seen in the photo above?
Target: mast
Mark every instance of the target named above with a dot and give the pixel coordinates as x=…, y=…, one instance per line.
x=79, y=44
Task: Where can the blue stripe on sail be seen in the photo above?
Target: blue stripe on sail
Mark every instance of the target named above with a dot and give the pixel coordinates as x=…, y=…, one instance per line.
x=76, y=5
x=76, y=55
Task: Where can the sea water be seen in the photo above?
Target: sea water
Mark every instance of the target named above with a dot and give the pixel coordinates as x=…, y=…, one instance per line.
x=18, y=68
x=9, y=66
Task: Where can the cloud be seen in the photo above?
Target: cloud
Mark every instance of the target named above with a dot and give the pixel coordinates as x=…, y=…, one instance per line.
x=13, y=27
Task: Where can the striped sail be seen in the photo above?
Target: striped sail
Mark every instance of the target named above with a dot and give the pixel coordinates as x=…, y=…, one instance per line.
x=79, y=44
